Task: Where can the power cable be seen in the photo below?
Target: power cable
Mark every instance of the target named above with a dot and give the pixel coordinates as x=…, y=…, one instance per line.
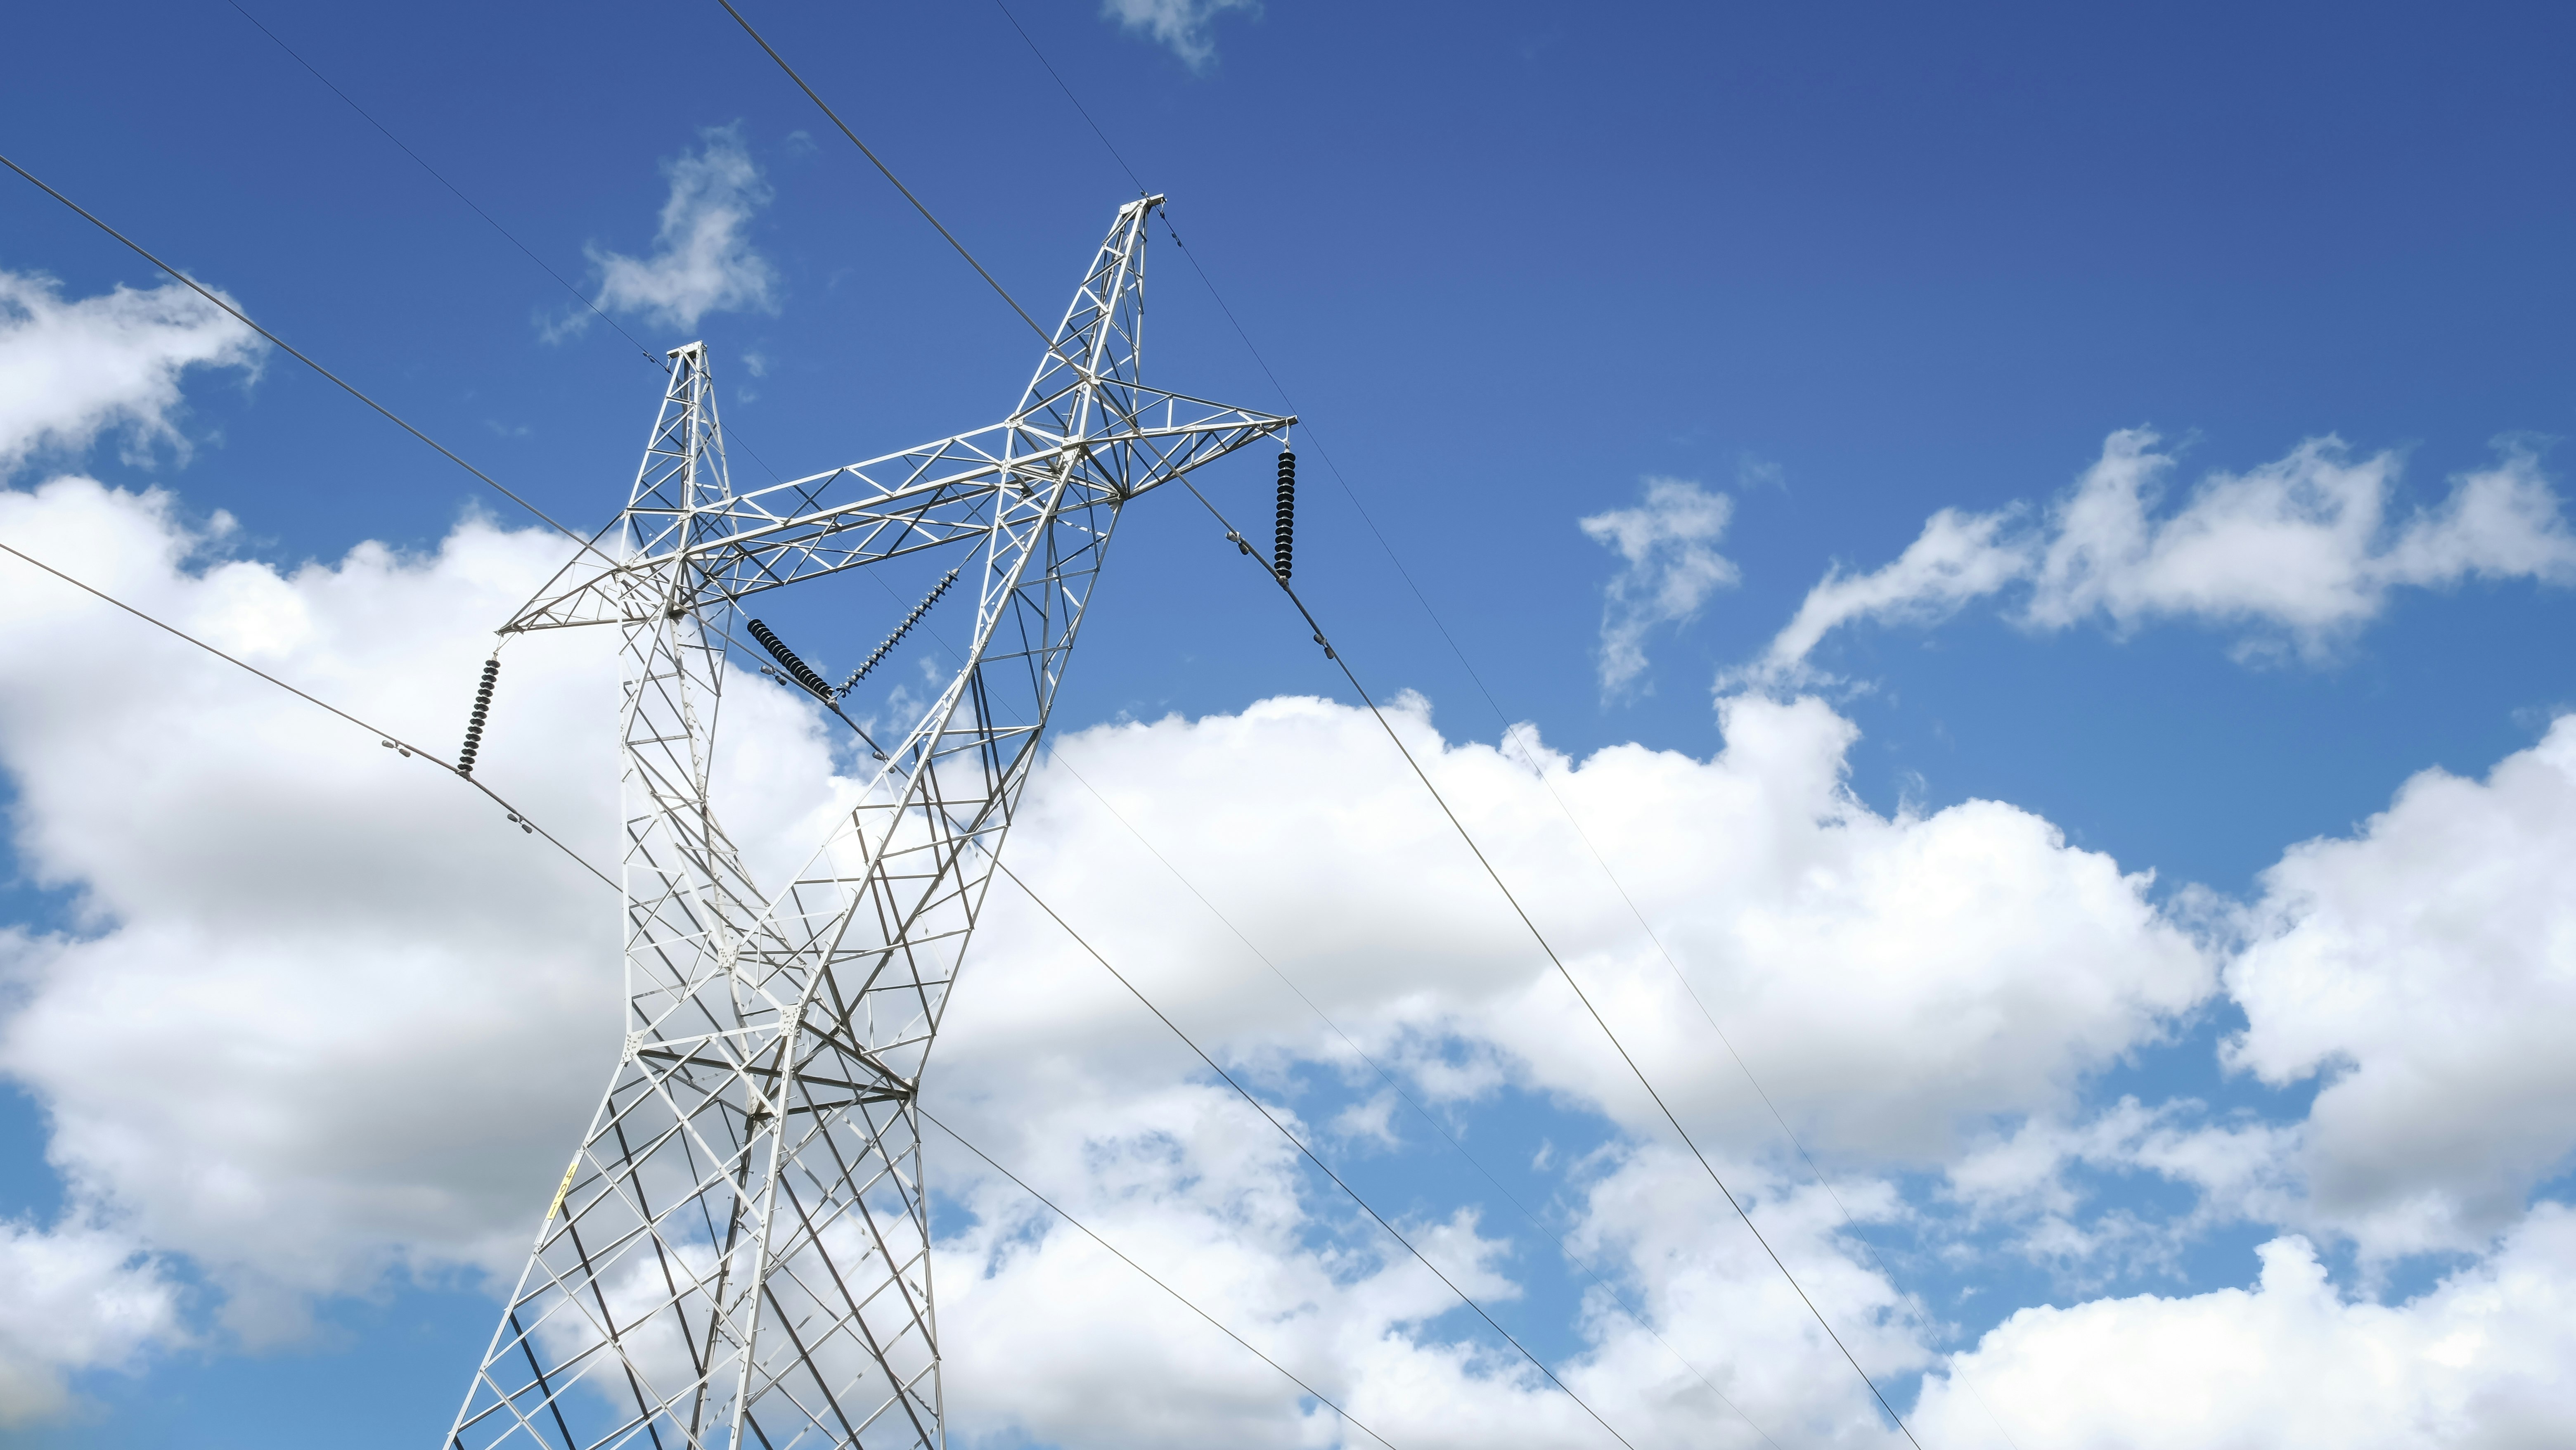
x=590, y=544
x=1396, y=1087
x=1149, y=1274
x=370, y=119
x=1511, y=730
x=1300, y=1145
x=1112, y=147
x=1233, y=536
x=237, y=315
x=405, y=747
x=409, y=749
x=998, y=290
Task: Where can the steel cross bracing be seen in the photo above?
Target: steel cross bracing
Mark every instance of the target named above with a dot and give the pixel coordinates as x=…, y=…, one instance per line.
x=739, y=1254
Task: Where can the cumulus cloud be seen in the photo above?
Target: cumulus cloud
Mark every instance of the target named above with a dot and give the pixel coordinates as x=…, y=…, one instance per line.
x=327, y=1018
x=318, y=1020
x=70, y=371
x=80, y=1298
x=1669, y=546
x=2295, y=554
x=1185, y=26
x=2239, y=1169
x=2420, y=969
x=703, y=260
x=2478, y=1363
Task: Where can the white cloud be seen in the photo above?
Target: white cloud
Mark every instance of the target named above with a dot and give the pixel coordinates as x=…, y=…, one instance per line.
x=79, y=1298
x=1960, y=557
x=2240, y=1169
x=2478, y=1363
x=1669, y=545
x=2424, y=970
x=70, y=371
x=1185, y=26
x=329, y=1018
x=703, y=259
x=2297, y=553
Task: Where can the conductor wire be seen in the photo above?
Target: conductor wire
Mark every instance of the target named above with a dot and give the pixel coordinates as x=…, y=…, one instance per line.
x=505, y=232
x=386, y=736
x=282, y=345
x=883, y=170
x=1545, y=946
x=1300, y=1145
x=1149, y=1274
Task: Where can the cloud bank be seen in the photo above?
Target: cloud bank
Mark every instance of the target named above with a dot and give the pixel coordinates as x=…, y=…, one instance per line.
x=313, y=1021
x=2295, y=555
x=306, y=1053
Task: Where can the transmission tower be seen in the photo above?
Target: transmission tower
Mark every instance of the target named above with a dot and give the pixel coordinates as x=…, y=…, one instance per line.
x=739, y=1254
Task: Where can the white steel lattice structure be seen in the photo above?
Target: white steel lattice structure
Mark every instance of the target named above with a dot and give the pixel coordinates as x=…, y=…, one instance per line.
x=738, y=1255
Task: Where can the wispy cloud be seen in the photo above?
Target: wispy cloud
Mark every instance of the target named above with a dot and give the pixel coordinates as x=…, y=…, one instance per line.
x=2297, y=553
x=70, y=371
x=702, y=258
x=1182, y=25
x=1669, y=543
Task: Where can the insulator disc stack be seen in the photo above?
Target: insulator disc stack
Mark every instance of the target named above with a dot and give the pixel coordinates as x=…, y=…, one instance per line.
x=1283, y=538
x=877, y=655
x=797, y=670
x=474, y=724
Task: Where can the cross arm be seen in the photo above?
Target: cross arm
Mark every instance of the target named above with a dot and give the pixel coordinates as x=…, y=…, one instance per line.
x=937, y=494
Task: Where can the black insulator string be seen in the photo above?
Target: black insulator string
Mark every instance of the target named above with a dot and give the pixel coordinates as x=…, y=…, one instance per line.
x=797, y=670
x=281, y=343
x=1559, y=963
x=1300, y=1145
x=387, y=738
x=474, y=724
x=1150, y=1277
x=1283, y=529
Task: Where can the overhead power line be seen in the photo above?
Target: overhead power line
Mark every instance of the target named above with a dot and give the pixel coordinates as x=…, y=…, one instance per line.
x=1150, y=1276
x=1599, y=1280
x=1300, y=1145
x=883, y=170
x=389, y=415
x=1511, y=729
x=388, y=737
x=411, y=750
x=1236, y=537
x=1330, y=653
x=577, y=294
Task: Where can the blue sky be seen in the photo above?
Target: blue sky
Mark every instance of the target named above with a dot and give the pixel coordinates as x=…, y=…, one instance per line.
x=1825, y=274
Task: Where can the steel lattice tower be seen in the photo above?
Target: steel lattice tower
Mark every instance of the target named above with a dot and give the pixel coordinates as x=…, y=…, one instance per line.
x=739, y=1254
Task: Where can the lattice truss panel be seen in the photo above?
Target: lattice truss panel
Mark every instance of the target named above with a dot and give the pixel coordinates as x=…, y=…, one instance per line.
x=738, y=1255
